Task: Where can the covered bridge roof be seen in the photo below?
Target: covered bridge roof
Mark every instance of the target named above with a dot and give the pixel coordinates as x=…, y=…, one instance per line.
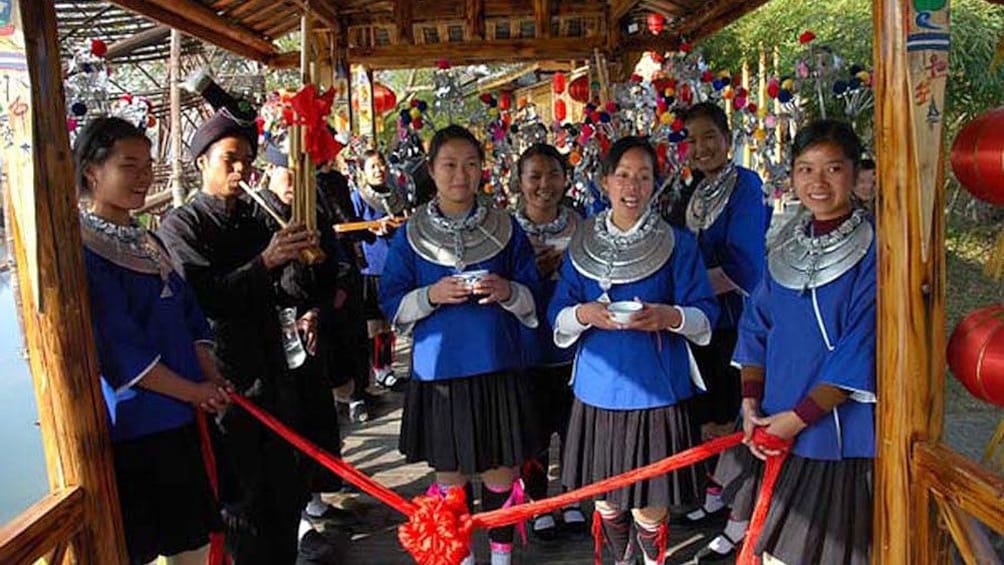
x=418, y=33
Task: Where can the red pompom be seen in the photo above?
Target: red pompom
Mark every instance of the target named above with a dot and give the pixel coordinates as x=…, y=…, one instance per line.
x=442, y=64
x=439, y=531
x=806, y=37
x=485, y=97
x=707, y=76
x=98, y=48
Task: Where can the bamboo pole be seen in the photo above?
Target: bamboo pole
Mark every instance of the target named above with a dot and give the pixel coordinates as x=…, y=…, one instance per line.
x=177, y=186
x=57, y=323
x=747, y=153
x=911, y=317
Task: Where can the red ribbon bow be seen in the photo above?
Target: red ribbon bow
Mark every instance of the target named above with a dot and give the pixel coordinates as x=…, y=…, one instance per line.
x=773, y=469
x=439, y=531
x=312, y=112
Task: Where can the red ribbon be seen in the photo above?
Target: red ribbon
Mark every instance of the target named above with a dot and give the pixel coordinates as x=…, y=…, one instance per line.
x=438, y=530
x=217, y=555
x=773, y=468
x=312, y=112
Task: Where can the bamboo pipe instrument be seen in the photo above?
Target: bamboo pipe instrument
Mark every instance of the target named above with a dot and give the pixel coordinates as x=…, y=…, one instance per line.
x=310, y=256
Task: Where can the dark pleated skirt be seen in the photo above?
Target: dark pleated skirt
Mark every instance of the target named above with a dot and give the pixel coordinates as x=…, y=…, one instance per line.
x=720, y=404
x=603, y=443
x=470, y=424
x=167, y=505
x=821, y=511
x=553, y=398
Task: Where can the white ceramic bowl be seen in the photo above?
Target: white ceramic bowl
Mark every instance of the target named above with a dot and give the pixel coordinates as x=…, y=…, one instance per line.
x=621, y=311
x=471, y=278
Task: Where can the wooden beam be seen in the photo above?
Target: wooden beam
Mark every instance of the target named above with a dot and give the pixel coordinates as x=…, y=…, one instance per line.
x=177, y=184
x=714, y=17
x=474, y=19
x=969, y=486
x=426, y=55
x=199, y=21
x=620, y=8
x=972, y=542
x=910, y=307
x=542, y=17
x=44, y=526
x=57, y=321
x=404, y=17
x=144, y=38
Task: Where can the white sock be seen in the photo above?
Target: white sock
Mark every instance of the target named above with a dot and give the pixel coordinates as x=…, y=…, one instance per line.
x=543, y=522
x=469, y=560
x=499, y=558
x=713, y=501
x=317, y=507
x=736, y=529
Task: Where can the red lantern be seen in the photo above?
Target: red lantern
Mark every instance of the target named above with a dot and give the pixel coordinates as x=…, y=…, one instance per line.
x=578, y=89
x=560, y=112
x=656, y=22
x=558, y=82
x=505, y=101
x=978, y=157
x=384, y=98
x=976, y=353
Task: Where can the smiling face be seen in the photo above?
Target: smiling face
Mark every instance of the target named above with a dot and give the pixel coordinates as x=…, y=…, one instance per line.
x=543, y=183
x=824, y=178
x=224, y=165
x=120, y=183
x=630, y=187
x=709, y=148
x=457, y=174
x=375, y=171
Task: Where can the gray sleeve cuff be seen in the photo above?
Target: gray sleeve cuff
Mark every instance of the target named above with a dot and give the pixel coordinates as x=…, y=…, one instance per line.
x=521, y=305
x=414, y=306
x=567, y=327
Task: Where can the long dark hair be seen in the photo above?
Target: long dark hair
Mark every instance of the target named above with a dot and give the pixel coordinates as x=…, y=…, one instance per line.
x=449, y=133
x=836, y=132
x=95, y=142
x=622, y=146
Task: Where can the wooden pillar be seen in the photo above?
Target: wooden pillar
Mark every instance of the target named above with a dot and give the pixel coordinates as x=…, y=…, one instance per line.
x=911, y=296
x=177, y=186
x=56, y=317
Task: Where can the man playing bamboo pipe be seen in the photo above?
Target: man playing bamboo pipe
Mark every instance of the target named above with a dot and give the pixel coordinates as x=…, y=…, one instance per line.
x=233, y=263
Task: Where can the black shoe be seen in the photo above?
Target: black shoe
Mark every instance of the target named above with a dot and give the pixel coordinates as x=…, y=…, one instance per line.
x=708, y=555
x=544, y=527
x=714, y=519
x=574, y=521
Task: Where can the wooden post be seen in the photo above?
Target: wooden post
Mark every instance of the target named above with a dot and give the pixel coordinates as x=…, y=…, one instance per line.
x=177, y=186
x=747, y=152
x=57, y=322
x=911, y=317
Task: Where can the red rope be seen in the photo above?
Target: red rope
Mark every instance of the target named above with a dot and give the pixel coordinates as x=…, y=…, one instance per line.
x=217, y=553
x=335, y=464
x=438, y=527
x=771, y=472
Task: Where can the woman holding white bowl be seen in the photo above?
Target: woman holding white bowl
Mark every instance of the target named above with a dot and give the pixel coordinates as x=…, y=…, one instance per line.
x=633, y=370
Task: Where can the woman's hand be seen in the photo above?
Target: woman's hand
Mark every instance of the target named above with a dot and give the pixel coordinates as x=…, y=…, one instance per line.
x=654, y=318
x=548, y=260
x=307, y=325
x=494, y=289
x=784, y=425
x=209, y=396
x=449, y=290
x=595, y=314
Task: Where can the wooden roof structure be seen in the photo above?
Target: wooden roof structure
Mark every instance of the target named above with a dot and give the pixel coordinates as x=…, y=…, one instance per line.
x=418, y=33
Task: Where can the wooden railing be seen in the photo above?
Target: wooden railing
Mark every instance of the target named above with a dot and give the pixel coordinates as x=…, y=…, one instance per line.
x=44, y=530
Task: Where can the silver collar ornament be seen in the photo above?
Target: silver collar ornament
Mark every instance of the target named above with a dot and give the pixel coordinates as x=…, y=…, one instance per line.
x=130, y=247
x=710, y=198
x=457, y=243
x=611, y=258
x=799, y=261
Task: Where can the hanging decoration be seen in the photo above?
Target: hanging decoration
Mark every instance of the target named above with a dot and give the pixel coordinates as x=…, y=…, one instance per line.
x=384, y=99
x=447, y=91
x=86, y=84
x=976, y=353
x=656, y=23
x=976, y=157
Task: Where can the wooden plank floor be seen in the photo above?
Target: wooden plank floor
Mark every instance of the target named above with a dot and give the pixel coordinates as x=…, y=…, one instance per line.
x=372, y=447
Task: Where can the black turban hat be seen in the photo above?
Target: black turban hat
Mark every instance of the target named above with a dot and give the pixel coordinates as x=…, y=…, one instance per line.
x=233, y=117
